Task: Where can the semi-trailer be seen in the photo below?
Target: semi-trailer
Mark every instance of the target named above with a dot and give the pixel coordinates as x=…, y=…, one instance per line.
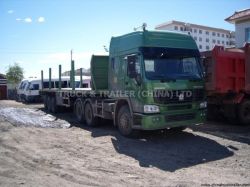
x=227, y=81
x=150, y=80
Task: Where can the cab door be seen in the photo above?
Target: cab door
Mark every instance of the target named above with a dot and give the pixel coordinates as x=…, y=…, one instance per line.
x=133, y=79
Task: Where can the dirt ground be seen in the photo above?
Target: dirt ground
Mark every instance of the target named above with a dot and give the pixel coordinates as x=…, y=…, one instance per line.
x=214, y=154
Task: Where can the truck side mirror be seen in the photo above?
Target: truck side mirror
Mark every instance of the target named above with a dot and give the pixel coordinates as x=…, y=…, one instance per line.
x=131, y=66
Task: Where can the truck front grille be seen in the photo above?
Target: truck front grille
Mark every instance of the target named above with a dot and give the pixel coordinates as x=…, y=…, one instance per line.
x=180, y=117
x=179, y=107
x=168, y=96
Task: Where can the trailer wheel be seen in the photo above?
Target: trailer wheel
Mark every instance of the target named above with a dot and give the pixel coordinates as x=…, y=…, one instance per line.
x=90, y=119
x=53, y=107
x=244, y=112
x=78, y=110
x=45, y=102
x=49, y=103
x=125, y=122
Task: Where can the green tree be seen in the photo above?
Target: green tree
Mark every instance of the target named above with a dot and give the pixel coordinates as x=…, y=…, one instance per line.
x=14, y=73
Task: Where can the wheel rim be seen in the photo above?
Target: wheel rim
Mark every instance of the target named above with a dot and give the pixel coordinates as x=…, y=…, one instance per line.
x=88, y=114
x=124, y=123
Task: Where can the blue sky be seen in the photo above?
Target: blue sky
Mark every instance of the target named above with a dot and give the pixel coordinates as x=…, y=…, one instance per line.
x=40, y=34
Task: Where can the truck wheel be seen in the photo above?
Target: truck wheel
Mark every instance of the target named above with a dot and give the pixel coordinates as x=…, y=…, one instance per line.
x=78, y=110
x=244, y=112
x=125, y=122
x=54, y=107
x=49, y=103
x=45, y=102
x=90, y=119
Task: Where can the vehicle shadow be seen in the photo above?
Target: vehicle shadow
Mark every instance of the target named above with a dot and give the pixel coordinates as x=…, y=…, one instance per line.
x=171, y=151
x=223, y=129
x=167, y=151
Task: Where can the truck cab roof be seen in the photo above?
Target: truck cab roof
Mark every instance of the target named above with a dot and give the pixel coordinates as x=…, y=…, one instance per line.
x=133, y=41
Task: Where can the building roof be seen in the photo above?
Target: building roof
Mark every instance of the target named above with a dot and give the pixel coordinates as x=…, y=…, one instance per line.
x=240, y=15
x=191, y=25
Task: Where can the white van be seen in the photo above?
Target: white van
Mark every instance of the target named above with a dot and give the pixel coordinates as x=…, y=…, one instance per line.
x=28, y=89
x=85, y=82
x=20, y=89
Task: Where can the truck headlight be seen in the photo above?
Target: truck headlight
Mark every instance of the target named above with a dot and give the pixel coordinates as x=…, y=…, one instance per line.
x=203, y=104
x=151, y=109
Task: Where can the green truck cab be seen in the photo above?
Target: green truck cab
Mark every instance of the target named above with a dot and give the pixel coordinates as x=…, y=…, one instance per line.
x=150, y=80
x=155, y=79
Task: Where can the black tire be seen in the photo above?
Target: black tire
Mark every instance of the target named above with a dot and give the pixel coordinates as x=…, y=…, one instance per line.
x=54, y=108
x=45, y=102
x=89, y=117
x=26, y=100
x=244, y=112
x=48, y=101
x=125, y=123
x=78, y=110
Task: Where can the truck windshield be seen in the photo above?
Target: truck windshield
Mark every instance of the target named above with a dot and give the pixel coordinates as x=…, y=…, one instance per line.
x=172, y=68
x=171, y=64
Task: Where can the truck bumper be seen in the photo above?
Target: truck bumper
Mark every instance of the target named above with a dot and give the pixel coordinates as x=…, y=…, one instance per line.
x=164, y=121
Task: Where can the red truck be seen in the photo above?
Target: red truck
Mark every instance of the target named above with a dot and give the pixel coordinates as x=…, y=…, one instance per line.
x=228, y=83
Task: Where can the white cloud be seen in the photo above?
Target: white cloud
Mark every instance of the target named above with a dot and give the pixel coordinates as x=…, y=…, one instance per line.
x=18, y=19
x=28, y=20
x=10, y=11
x=41, y=19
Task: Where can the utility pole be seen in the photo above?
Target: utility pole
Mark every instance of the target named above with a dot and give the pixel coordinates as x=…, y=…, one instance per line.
x=72, y=72
x=71, y=54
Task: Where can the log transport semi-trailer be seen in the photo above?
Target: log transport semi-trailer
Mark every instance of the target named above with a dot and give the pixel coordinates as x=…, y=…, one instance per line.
x=227, y=83
x=150, y=80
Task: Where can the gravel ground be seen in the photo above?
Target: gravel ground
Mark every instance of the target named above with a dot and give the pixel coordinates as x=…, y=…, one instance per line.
x=31, y=154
